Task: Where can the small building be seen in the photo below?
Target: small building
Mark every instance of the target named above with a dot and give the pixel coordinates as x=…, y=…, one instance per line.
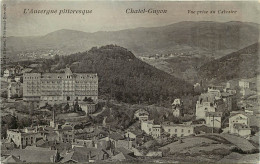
x=177, y=108
x=89, y=108
x=9, y=72
x=18, y=78
x=141, y=115
x=213, y=119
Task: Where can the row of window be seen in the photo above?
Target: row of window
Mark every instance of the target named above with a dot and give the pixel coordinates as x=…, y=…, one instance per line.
x=176, y=130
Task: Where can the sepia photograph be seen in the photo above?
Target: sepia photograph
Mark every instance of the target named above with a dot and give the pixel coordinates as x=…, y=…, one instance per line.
x=130, y=81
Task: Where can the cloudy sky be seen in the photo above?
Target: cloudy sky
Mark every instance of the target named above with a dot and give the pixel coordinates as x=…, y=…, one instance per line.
x=111, y=16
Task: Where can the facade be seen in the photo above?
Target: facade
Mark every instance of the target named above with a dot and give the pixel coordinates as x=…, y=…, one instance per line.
x=147, y=126
x=244, y=83
x=156, y=131
x=239, y=124
x=9, y=72
x=89, y=108
x=213, y=119
x=177, y=108
x=22, y=138
x=59, y=87
x=178, y=130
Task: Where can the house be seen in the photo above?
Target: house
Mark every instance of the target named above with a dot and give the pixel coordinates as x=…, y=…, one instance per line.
x=202, y=108
x=9, y=72
x=239, y=124
x=213, y=119
x=215, y=91
x=36, y=155
x=141, y=115
x=178, y=130
x=177, y=108
x=18, y=78
x=83, y=155
x=89, y=108
x=177, y=112
x=23, y=137
x=246, y=83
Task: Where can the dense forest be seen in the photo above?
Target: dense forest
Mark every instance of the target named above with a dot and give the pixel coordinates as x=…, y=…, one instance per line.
x=240, y=64
x=122, y=76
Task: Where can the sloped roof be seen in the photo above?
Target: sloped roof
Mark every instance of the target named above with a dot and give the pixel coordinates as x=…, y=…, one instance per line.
x=11, y=159
x=116, y=136
x=34, y=155
x=215, y=114
x=75, y=156
x=121, y=156
x=123, y=150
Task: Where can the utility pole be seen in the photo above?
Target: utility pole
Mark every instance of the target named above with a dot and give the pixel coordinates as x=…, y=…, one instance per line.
x=213, y=124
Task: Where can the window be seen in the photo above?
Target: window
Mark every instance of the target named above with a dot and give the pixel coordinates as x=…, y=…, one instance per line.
x=169, y=130
x=176, y=130
x=188, y=131
x=182, y=130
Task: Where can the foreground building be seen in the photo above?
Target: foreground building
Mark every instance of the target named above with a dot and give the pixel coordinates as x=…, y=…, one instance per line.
x=239, y=124
x=59, y=87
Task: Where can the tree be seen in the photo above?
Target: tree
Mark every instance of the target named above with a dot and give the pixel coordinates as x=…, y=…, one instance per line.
x=4, y=94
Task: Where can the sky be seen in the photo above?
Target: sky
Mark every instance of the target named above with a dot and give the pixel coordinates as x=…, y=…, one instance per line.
x=112, y=16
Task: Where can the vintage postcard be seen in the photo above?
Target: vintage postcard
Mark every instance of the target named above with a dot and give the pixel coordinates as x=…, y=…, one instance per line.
x=130, y=81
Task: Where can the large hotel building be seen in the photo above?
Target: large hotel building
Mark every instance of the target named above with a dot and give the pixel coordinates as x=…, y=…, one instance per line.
x=59, y=87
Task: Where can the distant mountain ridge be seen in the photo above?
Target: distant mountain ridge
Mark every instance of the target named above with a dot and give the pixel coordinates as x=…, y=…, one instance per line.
x=208, y=37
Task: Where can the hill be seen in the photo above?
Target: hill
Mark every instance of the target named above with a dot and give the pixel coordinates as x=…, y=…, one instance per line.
x=240, y=64
x=122, y=76
x=211, y=38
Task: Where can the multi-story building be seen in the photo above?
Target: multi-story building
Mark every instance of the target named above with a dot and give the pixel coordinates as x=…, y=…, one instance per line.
x=178, y=130
x=59, y=87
